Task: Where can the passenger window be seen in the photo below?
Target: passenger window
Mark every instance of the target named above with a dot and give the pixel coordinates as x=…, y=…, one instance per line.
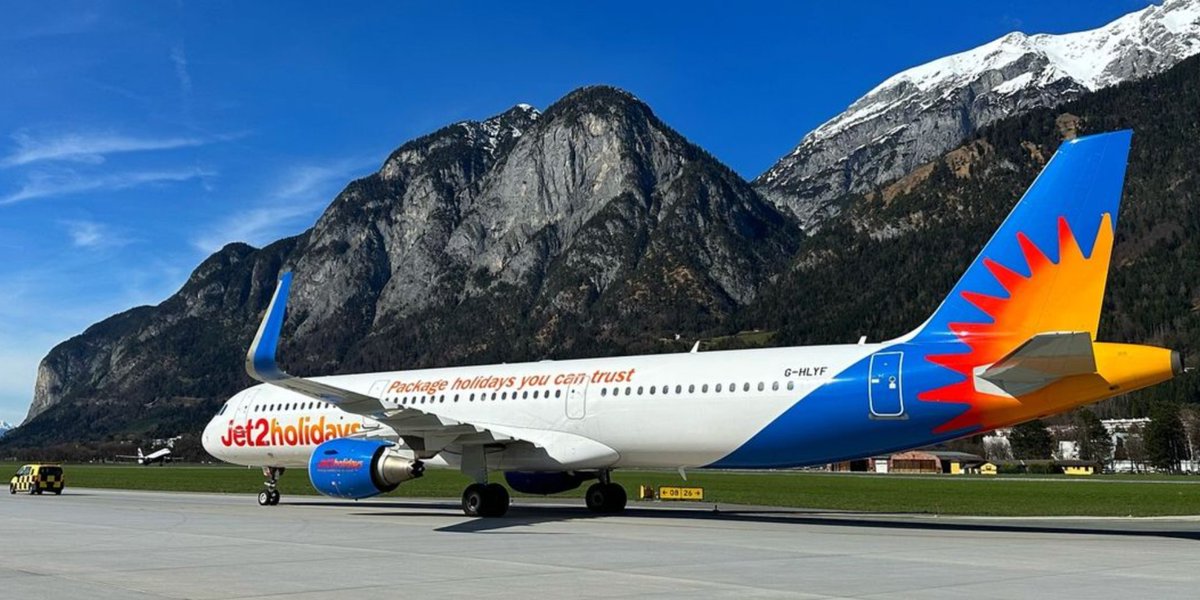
x=761, y=386
x=628, y=390
x=775, y=386
x=651, y=390
x=692, y=388
x=558, y=393
x=525, y=395
x=718, y=390
x=704, y=388
x=641, y=391
x=603, y=391
x=678, y=389
x=746, y=386
x=791, y=385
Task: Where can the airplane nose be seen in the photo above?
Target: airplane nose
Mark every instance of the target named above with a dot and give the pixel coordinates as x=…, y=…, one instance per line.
x=208, y=440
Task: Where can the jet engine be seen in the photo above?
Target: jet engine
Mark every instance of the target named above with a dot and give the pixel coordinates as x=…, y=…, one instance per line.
x=544, y=484
x=353, y=468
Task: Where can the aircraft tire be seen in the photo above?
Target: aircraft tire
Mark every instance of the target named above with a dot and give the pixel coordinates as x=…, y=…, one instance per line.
x=605, y=498
x=498, y=498
x=474, y=498
x=596, y=497
x=617, y=498
x=275, y=497
x=264, y=498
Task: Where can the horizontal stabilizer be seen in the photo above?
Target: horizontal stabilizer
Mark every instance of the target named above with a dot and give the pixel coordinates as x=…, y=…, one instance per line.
x=1042, y=360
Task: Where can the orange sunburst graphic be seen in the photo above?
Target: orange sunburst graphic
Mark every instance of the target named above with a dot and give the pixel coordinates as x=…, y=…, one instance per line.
x=1062, y=296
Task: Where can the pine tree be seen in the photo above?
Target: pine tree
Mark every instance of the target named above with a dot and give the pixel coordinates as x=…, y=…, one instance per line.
x=1031, y=441
x=1092, y=438
x=1166, y=439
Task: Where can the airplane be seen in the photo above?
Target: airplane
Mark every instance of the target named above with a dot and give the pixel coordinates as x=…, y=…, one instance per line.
x=161, y=456
x=1015, y=340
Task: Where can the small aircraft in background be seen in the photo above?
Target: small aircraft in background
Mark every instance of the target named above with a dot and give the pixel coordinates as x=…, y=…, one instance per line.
x=161, y=456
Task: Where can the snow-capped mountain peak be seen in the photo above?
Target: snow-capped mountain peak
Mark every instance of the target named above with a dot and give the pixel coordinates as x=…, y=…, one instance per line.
x=924, y=111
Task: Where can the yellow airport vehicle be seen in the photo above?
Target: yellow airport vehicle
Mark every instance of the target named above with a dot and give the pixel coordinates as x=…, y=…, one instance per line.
x=37, y=478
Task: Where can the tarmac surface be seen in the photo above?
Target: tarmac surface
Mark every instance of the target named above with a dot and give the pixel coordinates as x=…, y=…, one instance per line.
x=122, y=544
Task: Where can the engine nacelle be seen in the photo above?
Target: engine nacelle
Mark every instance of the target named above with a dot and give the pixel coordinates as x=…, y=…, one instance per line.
x=544, y=484
x=351, y=468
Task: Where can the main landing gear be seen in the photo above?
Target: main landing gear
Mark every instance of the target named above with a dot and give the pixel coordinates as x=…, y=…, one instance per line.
x=605, y=497
x=485, y=500
x=270, y=494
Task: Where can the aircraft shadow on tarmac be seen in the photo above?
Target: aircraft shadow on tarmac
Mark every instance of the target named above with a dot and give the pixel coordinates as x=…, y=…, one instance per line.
x=521, y=516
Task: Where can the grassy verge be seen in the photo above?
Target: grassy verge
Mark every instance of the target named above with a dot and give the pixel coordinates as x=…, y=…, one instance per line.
x=949, y=495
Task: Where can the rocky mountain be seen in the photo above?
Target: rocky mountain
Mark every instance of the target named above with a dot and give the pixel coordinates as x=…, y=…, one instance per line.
x=919, y=114
x=588, y=229
x=885, y=263
x=5, y=426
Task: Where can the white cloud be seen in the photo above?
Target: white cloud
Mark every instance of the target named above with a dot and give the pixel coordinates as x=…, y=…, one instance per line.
x=91, y=234
x=300, y=192
x=93, y=147
x=179, y=59
x=42, y=185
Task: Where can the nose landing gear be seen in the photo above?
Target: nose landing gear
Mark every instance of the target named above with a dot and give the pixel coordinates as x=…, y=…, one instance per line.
x=270, y=494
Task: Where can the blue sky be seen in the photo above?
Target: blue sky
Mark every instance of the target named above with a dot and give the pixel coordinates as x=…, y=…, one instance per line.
x=138, y=137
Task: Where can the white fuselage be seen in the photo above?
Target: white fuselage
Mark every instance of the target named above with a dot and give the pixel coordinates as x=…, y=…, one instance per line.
x=670, y=410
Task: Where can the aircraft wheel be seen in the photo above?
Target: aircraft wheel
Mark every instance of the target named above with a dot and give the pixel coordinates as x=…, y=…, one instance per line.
x=603, y=498
x=596, y=497
x=474, y=499
x=274, y=497
x=497, y=500
x=617, y=498
x=264, y=498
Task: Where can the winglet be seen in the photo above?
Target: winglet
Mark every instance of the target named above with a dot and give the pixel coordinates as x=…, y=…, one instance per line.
x=260, y=360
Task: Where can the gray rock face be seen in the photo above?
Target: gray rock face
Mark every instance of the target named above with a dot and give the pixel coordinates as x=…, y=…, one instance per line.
x=921, y=113
x=588, y=229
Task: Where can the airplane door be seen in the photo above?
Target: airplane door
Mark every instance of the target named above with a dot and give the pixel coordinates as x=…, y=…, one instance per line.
x=242, y=409
x=577, y=401
x=885, y=390
x=377, y=390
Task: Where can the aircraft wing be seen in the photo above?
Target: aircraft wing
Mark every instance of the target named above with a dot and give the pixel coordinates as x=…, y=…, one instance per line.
x=424, y=432
x=1042, y=360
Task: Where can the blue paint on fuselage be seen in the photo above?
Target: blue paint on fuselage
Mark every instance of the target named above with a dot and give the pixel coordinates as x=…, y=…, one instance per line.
x=835, y=423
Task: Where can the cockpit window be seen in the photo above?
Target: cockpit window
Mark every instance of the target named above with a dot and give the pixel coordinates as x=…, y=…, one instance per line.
x=223, y=407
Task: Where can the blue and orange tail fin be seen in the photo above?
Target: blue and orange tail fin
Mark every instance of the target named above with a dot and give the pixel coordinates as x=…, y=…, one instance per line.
x=1045, y=269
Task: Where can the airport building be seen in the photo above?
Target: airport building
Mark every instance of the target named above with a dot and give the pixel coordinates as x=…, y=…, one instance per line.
x=918, y=462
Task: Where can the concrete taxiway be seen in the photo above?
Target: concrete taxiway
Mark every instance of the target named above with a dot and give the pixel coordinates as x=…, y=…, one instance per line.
x=118, y=544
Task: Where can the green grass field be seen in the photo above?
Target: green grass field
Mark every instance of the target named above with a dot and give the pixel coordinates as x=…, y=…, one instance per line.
x=947, y=495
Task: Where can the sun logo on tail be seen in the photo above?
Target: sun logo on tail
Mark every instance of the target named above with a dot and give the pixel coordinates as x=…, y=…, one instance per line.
x=1054, y=297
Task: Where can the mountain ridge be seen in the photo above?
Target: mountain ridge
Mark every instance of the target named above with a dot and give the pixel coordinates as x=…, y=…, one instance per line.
x=922, y=112
x=584, y=229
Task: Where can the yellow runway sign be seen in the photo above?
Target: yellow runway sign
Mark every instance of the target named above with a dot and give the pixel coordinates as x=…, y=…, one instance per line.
x=680, y=493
